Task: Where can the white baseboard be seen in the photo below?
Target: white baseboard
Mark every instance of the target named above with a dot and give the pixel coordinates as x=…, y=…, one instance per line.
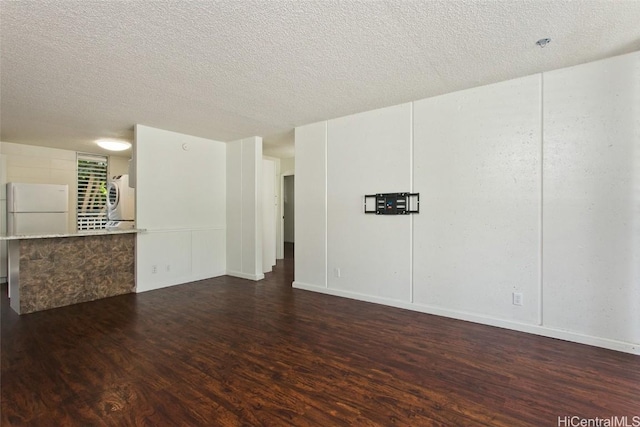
x=175, y=281
x=576, y=337
x=241, y=275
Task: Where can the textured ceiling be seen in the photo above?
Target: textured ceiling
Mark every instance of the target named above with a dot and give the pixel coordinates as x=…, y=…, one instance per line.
x=72, y=72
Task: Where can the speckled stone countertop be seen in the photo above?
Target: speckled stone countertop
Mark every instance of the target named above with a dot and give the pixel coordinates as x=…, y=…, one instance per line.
x=75, y=234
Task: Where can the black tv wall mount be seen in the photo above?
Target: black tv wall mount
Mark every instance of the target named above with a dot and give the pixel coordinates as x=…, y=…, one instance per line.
x=392, y=203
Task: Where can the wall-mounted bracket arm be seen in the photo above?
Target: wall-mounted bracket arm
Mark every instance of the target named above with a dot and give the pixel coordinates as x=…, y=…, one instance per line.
x=392, y=203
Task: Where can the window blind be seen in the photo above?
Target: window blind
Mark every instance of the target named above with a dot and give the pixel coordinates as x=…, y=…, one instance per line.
x=92, y=191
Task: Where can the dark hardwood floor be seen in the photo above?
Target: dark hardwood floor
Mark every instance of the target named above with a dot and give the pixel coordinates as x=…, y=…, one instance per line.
x=228, y=351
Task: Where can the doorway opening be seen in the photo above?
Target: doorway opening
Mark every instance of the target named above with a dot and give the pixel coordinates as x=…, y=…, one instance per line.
x=288, y=215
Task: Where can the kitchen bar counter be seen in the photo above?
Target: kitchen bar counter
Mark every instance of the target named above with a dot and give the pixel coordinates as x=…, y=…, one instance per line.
x=76, y=234
x=54, y=270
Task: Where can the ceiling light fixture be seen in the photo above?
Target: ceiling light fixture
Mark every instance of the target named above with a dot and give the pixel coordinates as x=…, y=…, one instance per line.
x=543, y=42
x=113, y=145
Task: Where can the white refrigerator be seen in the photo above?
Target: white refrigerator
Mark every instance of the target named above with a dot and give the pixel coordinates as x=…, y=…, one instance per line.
x=37, y=209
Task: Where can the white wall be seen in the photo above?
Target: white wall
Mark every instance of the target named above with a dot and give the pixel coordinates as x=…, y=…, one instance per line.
x=311, y=205
x=368, y=153
x=477, y=168
x=269, y=208
x=288, y=165
x=180, y=201
x=278, y=206
x=118, y=166
x=528, y=186
x=592, y=199
x=244, y=208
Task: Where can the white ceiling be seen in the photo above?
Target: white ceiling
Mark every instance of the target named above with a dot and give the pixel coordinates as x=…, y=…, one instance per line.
x=72, y=72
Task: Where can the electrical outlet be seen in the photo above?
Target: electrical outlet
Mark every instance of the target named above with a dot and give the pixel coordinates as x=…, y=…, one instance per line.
x=336, y=272
x=517, y=298
x=154, y=269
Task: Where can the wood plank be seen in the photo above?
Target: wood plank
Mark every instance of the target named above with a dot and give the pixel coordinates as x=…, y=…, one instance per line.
x=228, y=351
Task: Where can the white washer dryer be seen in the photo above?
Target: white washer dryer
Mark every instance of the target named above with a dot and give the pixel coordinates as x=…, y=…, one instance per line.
x=120, y=203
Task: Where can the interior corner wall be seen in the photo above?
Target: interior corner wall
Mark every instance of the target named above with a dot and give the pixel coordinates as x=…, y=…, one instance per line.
x=180, y=194
x=528, y=186
x=244, y=208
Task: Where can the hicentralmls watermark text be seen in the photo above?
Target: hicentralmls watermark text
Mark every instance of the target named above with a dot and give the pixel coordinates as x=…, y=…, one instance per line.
x=613, y=421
